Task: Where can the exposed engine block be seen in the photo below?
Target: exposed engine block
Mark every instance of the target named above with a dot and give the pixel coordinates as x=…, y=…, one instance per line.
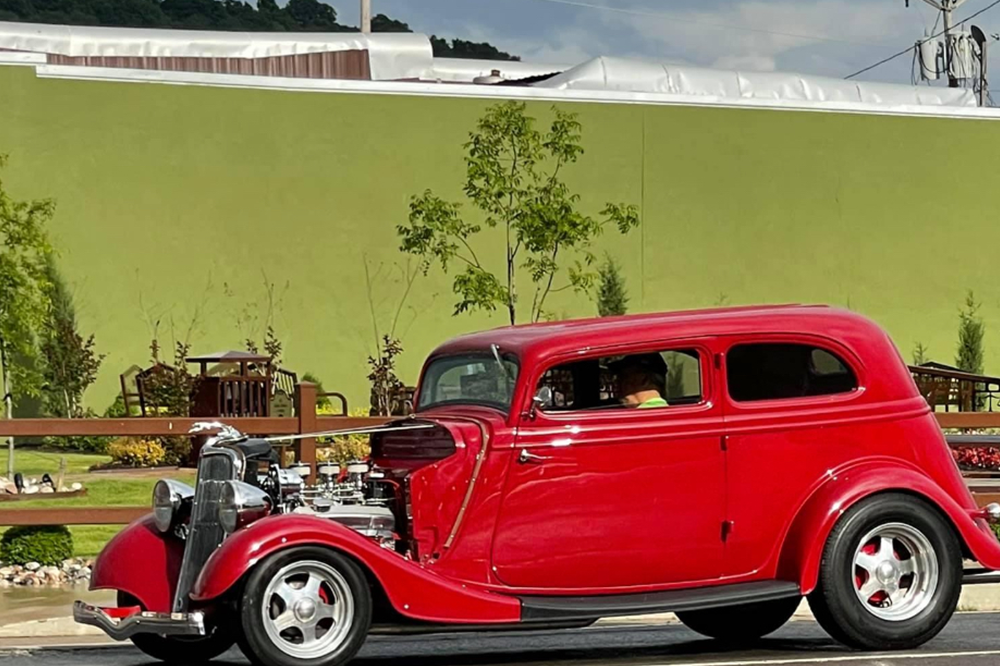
x=360, y=499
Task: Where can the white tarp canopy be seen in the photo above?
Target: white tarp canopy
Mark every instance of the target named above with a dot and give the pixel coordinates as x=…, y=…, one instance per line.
x=465, y=70
x=628, y=75
x=391, y=55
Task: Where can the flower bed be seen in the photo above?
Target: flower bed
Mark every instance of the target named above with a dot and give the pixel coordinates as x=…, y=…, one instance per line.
x=978, y=458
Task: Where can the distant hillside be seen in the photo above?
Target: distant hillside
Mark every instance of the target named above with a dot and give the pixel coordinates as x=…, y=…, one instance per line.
x=267, y=16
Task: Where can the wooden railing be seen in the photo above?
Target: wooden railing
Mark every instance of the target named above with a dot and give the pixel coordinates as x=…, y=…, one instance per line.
x=305, y=422
x=305, y=449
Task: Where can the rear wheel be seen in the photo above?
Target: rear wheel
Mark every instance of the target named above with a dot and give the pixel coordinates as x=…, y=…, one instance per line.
x=890, y=576
x=741, y=623
x=305, y=607
x=179, y=649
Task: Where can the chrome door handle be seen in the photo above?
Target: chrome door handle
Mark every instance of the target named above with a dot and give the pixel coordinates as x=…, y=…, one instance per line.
x=524, y=457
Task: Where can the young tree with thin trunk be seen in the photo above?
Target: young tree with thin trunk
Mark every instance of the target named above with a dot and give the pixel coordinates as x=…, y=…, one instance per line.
x=612, y=295
x=514, y=178
x=971, y=330
x=24, y=247
x=70, y=362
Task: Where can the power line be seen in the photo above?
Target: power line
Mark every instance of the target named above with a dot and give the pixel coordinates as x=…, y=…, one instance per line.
x=723, y=26
x=910, y=48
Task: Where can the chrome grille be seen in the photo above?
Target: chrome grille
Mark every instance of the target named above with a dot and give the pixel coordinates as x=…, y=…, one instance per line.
x=204, y=532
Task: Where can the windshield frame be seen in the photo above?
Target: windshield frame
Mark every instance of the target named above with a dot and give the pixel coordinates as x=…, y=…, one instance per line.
x=486, y=355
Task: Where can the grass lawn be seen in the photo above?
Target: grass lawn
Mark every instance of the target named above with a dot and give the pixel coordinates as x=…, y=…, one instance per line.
x=120, y=488
x=35, y=462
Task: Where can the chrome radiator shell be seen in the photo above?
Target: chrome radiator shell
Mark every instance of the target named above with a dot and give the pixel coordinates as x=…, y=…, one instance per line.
x=216, y=466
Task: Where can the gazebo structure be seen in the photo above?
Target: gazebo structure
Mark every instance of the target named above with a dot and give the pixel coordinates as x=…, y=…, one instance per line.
x=232, y=384
x=947, y=387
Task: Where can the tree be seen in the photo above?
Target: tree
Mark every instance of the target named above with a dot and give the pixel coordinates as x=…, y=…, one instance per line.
x=386, y=386
x=387, y=389
x=312, y=14
x=971, y=331
x=322, y=400
x=24, y=247
x=460, y=48
x=382, y=23
x=920, y=354
x=612, y=296
x=263, y=15
x=514, y=180
x=70, y=363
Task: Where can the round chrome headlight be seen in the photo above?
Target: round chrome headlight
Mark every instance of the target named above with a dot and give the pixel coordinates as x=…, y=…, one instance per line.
x=242, y=504
x=168, y=497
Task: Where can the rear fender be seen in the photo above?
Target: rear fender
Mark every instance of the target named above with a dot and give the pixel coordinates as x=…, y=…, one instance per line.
x=143, y=562
x=802, y=549
x=414, y=590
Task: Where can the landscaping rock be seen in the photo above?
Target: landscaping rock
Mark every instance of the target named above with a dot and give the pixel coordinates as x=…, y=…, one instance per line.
x=71, y=571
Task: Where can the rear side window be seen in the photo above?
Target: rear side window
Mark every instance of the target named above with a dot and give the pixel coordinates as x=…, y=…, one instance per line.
x=775, y=371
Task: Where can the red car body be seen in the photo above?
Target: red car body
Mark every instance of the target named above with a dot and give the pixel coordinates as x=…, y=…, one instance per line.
x=533, y=506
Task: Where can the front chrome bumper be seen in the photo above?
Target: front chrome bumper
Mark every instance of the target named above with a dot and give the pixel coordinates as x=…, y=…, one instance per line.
x=164, y=624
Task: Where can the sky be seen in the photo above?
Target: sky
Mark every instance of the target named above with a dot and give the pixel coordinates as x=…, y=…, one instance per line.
x=824, y=37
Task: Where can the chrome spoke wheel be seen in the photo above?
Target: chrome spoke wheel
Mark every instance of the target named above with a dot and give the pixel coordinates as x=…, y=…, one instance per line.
x=307, y=609
x=895, y=572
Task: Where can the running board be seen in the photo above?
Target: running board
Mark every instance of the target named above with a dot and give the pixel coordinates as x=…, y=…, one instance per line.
x=548, y=609
x=980, y=577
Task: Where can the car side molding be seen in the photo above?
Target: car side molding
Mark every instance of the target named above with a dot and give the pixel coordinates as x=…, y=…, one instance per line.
x=547, y=609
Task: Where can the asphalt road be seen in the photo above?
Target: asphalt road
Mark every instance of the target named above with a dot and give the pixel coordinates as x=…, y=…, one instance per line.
x=971, y=638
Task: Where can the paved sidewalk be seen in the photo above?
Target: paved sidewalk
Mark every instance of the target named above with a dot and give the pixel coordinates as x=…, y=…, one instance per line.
x=40, y=621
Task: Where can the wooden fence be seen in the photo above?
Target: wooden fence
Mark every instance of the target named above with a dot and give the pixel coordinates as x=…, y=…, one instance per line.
x=305, y=422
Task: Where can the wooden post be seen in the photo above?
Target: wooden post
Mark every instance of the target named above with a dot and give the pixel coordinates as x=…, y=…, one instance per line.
x=305, y=409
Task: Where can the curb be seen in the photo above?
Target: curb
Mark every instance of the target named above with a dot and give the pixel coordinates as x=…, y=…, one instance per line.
x=63, y=632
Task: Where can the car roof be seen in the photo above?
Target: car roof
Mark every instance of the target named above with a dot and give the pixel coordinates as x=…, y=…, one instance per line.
x=534, y=342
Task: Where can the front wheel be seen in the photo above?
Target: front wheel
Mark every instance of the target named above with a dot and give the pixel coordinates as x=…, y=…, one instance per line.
x=890, y=576
x=305, y=607
x=741, y=624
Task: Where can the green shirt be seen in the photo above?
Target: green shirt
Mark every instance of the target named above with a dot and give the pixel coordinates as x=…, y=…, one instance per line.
x=653, y=402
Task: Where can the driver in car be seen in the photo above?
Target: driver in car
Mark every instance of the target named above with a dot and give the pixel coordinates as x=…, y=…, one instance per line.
x=642, y=380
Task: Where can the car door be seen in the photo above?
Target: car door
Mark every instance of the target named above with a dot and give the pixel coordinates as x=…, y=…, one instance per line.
x=790, y=406
x=616, y=498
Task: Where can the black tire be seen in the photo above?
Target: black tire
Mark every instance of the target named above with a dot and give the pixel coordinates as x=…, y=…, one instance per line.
x=176, y=649
x=262, y=650
x=741, y=624
x=836, y=602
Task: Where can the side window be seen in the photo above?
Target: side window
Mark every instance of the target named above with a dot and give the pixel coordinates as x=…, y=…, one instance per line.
x=773, y=371
x=647, y=380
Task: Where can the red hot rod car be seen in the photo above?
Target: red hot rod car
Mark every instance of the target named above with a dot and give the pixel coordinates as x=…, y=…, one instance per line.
x=719, y=464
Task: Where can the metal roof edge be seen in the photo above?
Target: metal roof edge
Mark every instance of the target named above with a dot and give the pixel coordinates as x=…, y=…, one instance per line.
x=473, y=91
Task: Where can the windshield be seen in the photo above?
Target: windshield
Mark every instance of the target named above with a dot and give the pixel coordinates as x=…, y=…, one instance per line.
x=478, y=379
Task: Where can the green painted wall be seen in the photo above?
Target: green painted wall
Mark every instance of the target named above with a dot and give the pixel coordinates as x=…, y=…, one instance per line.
x=168, y=193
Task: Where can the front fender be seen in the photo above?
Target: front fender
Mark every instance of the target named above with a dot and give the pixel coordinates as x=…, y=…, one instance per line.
x=143, y=562
x=414, y=590
x=802, y=549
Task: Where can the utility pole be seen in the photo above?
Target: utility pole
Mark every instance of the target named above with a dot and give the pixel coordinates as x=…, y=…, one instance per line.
x=366, y=16
x=946, y=7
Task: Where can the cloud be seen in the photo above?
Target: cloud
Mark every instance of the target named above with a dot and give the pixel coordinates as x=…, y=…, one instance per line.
x=770, y=31
x=827, y=37
x=746, y=63
x=567, y=45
